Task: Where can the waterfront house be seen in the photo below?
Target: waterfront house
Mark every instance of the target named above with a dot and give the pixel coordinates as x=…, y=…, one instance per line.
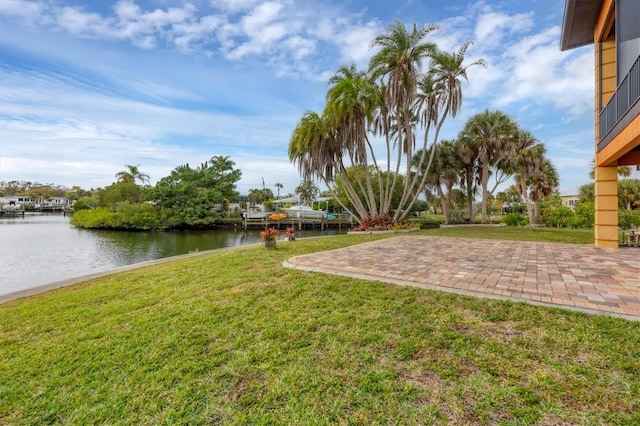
x=612, y=26
x=570, y=200
x=15, y=199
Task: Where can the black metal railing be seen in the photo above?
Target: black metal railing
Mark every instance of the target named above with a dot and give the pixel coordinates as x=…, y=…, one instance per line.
x=626, y=94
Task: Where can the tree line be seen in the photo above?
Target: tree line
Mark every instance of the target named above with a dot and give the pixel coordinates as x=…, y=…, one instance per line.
x=394, y=105
x=187, y=198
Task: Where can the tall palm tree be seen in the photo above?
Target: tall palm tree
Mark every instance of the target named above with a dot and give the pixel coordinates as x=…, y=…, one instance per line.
x=527, y=156
x=444, y=172
x=468, y=156
x=543, y=182
x=447, y=68
x=491, y=133
x=398, y=63
x=442, y=88
x=351, y=101
x=132, y=174
x=279, y=186
x=315, y=149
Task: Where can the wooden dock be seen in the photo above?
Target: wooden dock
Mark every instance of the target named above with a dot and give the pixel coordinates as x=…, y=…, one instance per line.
x=340, y=221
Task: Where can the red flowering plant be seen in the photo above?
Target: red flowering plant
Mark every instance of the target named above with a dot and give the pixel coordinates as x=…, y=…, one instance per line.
x=290, y=230
x=375, y=223
x=269, y=234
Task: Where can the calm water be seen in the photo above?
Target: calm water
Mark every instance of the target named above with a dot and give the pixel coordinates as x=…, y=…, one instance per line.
x=40, y=249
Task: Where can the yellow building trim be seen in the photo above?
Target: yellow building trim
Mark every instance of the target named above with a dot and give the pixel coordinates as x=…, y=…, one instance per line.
x=608, y=218
x=608, y=86
x=609, y=53
x=606, y=236
x=605, y=20
x=606, y=207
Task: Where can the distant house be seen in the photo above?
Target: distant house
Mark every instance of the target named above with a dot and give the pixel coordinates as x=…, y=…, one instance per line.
x=570, y=200
x=612, y=27
x=53, y=203
x=15, y=199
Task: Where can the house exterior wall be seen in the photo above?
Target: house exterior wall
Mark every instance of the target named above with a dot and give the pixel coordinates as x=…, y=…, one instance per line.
x=619, y=150
x=606, y=185
x=570, y=200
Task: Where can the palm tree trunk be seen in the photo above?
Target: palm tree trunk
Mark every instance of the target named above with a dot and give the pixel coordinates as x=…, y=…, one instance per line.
x=485, y=182
x=470, y=196
x=400, y=212
x=445, y=205
x=536, y=215
x=525, y=196
x=394, y=180
x=433, y=149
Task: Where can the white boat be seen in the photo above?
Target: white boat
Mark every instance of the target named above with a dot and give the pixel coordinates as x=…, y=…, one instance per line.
x=255, y=215
x=255, y=212
x=305, y=212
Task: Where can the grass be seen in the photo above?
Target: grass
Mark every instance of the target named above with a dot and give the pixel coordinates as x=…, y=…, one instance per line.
x=235, y=338
x=554, y=235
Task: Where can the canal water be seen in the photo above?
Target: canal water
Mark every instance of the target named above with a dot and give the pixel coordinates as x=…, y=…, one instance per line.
x=43, y=248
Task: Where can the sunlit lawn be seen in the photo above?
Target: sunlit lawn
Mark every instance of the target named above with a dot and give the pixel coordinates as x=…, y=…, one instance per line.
x=235, y=338
x=555, y=235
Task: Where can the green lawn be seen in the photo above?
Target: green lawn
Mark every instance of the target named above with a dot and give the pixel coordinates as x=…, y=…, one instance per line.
x=235, y=338
x=555, y=235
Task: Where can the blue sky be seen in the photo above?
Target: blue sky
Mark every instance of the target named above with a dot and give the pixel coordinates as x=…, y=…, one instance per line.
x=89, y=86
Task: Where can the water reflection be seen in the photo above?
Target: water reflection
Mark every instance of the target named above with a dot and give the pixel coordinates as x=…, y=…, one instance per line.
x=39, y=249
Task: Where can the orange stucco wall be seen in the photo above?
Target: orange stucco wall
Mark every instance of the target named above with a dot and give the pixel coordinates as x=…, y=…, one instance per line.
x=606, y=185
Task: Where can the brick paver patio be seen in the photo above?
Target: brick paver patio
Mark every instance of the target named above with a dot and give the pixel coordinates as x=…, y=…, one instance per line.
x=572, y=276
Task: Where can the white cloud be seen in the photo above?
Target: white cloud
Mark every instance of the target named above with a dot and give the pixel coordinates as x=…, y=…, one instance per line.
x=27, y=10
x=491, y=27
x=539, y=71
x=77, y=22
x=252, y=68
x=234, y=6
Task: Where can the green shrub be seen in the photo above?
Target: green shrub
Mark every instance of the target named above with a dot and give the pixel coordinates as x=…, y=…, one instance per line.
x=122, y=216
x=559, y=217
x=227, y=221
x=137, y=216
x=427, y=220
x=515, y=219
x=101, y=217
x=457, y=216
x=585, y=215
x=628, y=218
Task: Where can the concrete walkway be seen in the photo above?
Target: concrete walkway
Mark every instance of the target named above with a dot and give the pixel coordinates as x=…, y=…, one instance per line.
x=572, y=276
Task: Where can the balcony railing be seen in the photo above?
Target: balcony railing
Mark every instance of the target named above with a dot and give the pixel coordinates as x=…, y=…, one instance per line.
x=627, y=94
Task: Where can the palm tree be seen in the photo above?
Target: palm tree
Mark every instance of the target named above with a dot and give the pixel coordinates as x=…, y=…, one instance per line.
x=351, y=100
x=629, y=193
x=527, y=156
x=311, y=147
x=307, y=191
x=468, y=156
x=443, y=172
x=314, y=148
x=441, y=88
x=278, y=186
x=132, y=174
x=491, y=133
x=543, y=182
x=397, y=63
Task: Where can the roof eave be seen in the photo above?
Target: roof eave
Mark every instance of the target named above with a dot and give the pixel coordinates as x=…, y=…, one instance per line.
x=580, y=18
